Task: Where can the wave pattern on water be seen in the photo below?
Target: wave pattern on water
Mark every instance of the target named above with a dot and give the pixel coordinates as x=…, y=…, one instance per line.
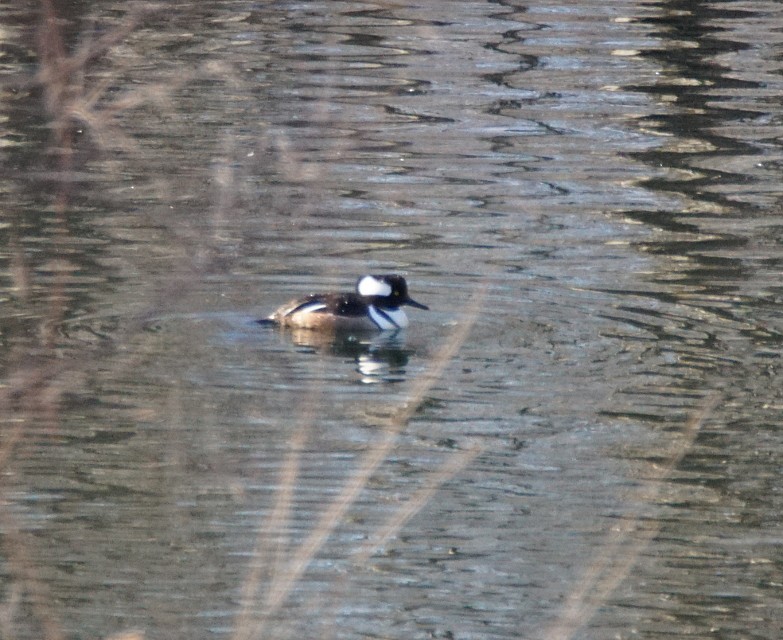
x=606, y=175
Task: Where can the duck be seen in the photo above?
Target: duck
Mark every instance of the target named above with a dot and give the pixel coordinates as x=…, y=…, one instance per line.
x=376, y=305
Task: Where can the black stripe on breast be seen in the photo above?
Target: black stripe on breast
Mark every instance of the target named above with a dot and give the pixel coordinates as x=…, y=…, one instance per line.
x=384, y=315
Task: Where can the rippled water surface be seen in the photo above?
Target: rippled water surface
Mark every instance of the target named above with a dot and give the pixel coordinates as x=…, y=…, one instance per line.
x=580, y=439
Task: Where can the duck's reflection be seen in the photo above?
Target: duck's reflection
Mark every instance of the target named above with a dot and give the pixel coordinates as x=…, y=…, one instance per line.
x=379, y=357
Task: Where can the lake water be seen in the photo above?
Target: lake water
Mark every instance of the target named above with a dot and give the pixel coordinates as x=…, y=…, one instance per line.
x=581, y=438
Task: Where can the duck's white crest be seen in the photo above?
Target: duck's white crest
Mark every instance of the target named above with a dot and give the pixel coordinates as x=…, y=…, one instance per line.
x=370, y=286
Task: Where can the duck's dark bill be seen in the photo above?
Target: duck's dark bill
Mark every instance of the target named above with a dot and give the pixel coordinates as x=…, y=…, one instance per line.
x=418, y=305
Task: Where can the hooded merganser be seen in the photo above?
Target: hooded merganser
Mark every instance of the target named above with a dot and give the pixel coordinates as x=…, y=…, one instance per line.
x=375, y=305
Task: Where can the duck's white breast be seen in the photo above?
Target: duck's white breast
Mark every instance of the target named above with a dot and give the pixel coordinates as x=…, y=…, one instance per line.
x=387, y=319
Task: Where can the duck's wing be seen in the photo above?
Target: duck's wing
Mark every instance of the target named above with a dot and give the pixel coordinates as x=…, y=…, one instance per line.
x=310, y=304
x=339, y=304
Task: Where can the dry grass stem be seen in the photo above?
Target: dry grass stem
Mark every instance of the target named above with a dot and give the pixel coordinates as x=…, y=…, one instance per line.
x=286, y=574
x=397, y=520
x=626, y=542
x=272, y=543
x=425, y=381
x=30, y=398
x=127, y=635
x=27, y=580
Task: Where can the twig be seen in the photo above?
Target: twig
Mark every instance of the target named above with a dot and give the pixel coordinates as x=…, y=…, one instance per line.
x=621, y=550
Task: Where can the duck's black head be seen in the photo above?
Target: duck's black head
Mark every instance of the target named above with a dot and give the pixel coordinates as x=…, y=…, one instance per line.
x=388, y=290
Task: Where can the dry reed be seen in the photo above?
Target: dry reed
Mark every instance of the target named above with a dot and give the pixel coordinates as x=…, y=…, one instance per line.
x=37, y=386
x=286, y=572
x=37, y=379
x=626, y=542
x=31, y=396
